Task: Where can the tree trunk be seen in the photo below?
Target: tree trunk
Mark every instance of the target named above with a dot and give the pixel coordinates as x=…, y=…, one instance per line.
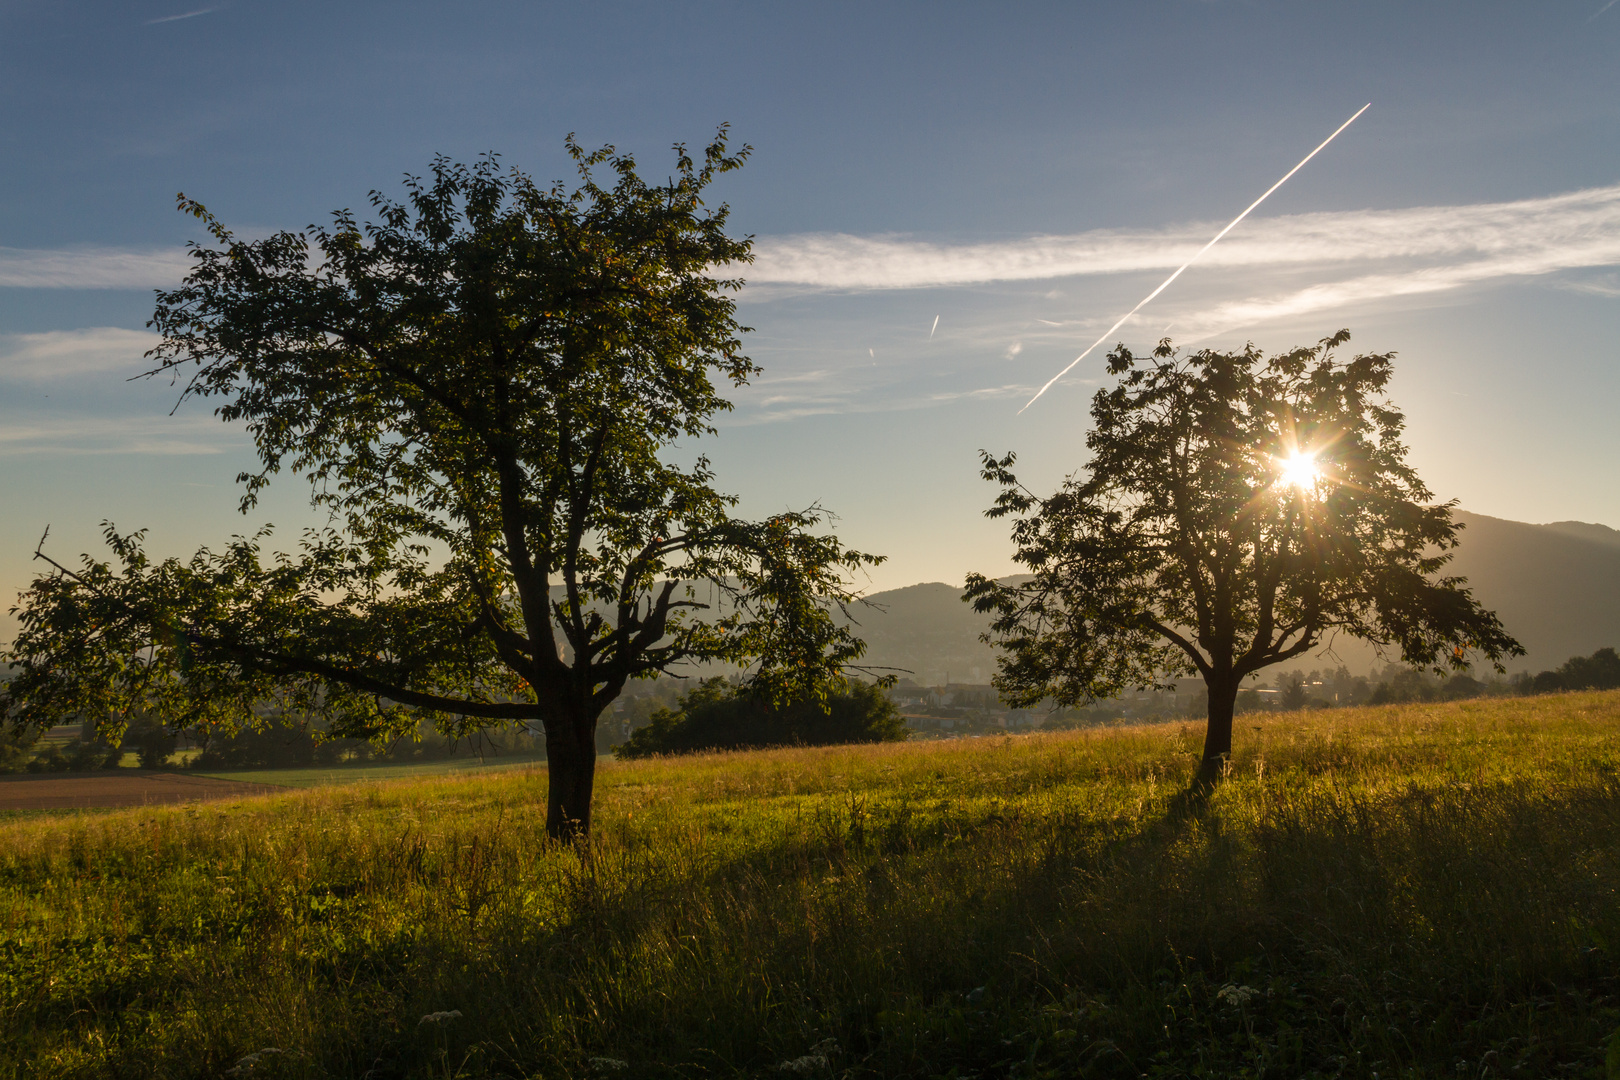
x=571, y=774
x=1218, y=734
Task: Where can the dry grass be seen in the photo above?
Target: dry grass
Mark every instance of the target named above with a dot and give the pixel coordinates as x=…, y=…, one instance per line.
x=1400, y=891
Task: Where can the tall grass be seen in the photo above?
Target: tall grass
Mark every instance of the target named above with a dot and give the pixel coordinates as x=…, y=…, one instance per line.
x=1400, y=891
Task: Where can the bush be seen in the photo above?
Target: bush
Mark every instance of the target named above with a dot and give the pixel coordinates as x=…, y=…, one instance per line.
x=1460, y=687
x=280, y=743
x=48, y=758
x=86, y=755
x=1547, y=682
x=15, y=745
x=292, y=742
x=152, y=742
x=22, y=751
x=1600, y=671
x=717, y=716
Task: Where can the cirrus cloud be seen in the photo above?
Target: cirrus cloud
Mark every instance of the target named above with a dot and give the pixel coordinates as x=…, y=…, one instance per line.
x=1395, y=254
x=1579, y=229
x=88, y=434
x=93, y=268
x=65, y=353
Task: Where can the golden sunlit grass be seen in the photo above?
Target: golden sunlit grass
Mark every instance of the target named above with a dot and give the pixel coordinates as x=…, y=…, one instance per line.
x=1408, y=890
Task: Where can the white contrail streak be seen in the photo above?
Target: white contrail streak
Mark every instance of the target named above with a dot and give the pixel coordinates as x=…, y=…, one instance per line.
x=1195, y=258
x=931, y=329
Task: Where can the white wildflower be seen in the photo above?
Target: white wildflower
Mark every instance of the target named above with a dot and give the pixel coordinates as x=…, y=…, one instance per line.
x=607, y=1064
x=441, y=1017
x=246, y=1064
x=815, y=1060
x=1234, y=994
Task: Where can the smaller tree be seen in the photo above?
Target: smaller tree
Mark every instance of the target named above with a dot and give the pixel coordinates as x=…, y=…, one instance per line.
x=1238, y=512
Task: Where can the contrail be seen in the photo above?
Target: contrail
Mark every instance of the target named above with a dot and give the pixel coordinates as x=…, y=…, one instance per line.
x=931, y=329
x=1602, y=9
x=1194, y=259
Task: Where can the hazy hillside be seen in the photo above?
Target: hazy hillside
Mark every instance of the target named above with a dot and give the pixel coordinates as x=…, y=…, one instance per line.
x=1556, y=588
x=1601, y=534
x=929, y=631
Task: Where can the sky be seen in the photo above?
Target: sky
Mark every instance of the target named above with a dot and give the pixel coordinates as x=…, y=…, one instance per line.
x=1023, y=174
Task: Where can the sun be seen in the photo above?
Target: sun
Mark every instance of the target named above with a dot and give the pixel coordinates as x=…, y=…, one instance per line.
x=1299, y=470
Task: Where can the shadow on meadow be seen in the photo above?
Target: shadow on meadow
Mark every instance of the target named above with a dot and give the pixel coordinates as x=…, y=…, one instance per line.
x=1339, y=908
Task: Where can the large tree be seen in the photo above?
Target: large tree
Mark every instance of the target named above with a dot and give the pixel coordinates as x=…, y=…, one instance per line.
x=483, y=384
x=1237, y=511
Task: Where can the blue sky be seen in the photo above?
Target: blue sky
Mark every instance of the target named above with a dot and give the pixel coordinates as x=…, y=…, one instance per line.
x=1023, y=172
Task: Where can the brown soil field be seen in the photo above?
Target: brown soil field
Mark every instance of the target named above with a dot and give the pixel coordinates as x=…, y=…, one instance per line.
x=122, y=787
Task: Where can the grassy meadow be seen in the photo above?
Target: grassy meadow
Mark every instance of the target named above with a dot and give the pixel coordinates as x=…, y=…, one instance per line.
x=1393, y=892
x=371, y=771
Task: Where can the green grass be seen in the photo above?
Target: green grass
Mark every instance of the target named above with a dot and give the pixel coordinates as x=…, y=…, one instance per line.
x=54, y=813
x=1400, y=892
x=364, y=772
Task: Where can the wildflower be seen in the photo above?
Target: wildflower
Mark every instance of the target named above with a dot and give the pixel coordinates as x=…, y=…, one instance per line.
x=607, y=1064
x=815, y=1060
x=245, y=1066
x=441, y=1017
x=804, y=1066
x=1233, y=994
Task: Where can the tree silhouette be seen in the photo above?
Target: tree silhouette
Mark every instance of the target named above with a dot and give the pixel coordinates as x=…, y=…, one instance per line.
x=1237, y=512
x=479, y=385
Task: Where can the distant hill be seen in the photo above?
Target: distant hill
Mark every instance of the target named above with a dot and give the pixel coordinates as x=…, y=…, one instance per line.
x=1556, y=588
x=1600, y=534
x=927, y=630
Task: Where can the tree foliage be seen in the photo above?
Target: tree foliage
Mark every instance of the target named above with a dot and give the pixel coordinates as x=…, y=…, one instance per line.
x=1600, y=671
x=1237, y=511
x=716, y=715
x=482, y=385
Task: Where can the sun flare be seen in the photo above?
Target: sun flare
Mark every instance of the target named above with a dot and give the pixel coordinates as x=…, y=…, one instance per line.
x=1299, y=470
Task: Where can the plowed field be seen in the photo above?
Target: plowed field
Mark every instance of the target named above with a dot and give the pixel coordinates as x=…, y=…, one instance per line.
x=121, y=787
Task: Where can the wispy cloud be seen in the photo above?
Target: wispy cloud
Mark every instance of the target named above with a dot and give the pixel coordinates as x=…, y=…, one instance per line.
x=1009, y=390
x=81, y=435
x=1579, y=229
x=1268, y=270
x=1360, y=290
x=850, y=399
x=856, y=389
x=92, y=268
x=185, y=15
x=1608, y=285
x=64, y=353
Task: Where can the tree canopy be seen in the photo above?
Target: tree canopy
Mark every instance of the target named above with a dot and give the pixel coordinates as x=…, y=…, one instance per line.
x=1237, y=511
x=482, y=385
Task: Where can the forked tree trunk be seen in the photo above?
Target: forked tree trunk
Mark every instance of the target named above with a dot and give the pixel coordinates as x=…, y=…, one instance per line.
x=1218, y=734
x=571, y=775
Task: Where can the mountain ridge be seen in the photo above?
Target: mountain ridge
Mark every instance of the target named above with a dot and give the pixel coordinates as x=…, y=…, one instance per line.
x=1555, y=586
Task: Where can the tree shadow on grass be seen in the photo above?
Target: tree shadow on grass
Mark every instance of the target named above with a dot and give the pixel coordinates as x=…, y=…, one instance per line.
x=1285, y=931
